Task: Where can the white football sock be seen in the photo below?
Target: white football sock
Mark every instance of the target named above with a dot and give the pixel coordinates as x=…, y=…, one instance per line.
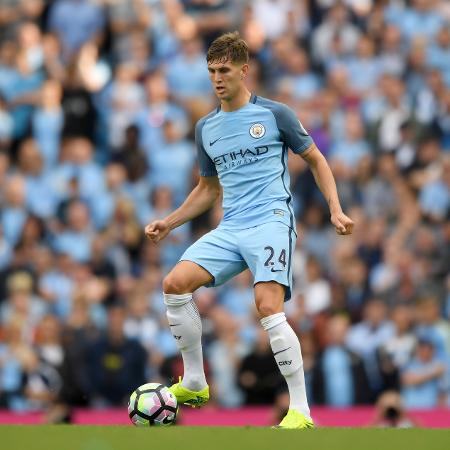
x=286, y=350
x=186, y=327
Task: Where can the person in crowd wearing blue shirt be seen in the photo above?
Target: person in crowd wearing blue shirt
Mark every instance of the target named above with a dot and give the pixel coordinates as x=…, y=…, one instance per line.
x=423, y=380
x=339, y=377
x=76, y=22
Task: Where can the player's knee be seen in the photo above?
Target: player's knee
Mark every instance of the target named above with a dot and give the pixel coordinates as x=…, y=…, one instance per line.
x=269, y=298
x=267, y=307
x=173, y=284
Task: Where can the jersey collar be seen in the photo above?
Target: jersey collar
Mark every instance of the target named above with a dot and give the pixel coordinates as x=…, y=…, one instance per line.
x=252, y=99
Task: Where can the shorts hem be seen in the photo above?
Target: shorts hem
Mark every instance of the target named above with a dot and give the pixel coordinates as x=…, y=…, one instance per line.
x=287, y=290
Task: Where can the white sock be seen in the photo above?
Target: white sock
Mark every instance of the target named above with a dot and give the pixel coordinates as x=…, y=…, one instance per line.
x=286, y=349
x=186, y=327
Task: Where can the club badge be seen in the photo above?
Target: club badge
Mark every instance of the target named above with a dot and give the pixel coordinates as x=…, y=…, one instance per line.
x=257, y=130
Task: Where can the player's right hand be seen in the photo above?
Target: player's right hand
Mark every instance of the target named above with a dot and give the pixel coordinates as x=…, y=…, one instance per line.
x=157, y=230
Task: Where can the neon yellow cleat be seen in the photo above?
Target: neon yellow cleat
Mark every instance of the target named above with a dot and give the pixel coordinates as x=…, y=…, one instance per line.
x=295, y=420
x=185, y=396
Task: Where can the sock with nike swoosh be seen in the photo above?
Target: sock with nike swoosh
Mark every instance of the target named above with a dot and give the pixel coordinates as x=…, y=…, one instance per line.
x=186, y=327
x=288, y=356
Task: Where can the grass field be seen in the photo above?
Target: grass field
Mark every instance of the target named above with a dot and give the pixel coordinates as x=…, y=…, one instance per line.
x=73, y=437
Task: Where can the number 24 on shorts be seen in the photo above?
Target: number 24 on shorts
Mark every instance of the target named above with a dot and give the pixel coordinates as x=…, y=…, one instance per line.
x=281, y=258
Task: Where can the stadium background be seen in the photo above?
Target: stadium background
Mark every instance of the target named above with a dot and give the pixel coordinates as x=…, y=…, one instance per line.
x=98, y=99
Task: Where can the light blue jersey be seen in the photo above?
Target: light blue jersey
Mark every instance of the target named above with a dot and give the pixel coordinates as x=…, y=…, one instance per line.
x=247, y=149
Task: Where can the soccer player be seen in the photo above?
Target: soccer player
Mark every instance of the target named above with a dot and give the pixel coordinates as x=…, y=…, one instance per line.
x=242, y=150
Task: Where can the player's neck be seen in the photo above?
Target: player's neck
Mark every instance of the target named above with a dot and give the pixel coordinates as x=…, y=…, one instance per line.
x=237, y=102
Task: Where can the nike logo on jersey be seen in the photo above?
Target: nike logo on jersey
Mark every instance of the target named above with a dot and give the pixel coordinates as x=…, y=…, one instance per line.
x=211, y=143
x=281, y=351
x=174, y=324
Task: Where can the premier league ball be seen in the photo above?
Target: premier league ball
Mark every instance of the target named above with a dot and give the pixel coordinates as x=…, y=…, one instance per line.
x=152, y=404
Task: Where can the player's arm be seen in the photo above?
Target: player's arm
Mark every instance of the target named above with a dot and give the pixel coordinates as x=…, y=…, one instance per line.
x=202, y=198
x=199, y=200
x=300, y=142
x=325, y=181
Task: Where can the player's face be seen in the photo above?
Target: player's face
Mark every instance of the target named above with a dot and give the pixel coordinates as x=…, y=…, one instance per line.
x=227, y=78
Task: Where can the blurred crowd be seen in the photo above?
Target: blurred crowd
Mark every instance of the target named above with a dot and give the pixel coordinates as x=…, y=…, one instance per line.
x=98, y=100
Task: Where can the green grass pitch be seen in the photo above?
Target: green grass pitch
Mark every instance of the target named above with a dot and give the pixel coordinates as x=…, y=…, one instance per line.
x=73, y=437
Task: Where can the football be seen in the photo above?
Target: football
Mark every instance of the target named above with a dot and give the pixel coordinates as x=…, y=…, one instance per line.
x=152, y=404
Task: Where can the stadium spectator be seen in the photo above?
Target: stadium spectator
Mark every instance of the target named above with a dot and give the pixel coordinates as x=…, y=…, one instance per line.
x=279, y=17
x=56, y=281
x=396, y=353
x=259, y=377
x=16, y=359
x=125, y=17
x=77, y=236
x=47, y=122
x=300, y=83
x=186, y=73
x=434, y=197
x=237, y=299
x=157, y=109
x=213, y=19
x=336, y=35
x=419, y=20
x=172, y=165
x=6, y=124
x=424, y=384
x=366, y=337
x=141, y=325
x=76, y=22
x=317, y=293
x=224, y=356
x=364, y=68
x=391, y=412
x=79, y=113
x=339, y=378
x=349, y=152
x=392, y=47
x=438, y=53
x=116, y=364
x=43, y=383
x=432, y=327
x=40, y=195
x=14, y=208
x=125, y=100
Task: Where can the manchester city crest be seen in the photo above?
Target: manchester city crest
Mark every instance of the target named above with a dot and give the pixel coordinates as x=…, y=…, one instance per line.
x=257, y=130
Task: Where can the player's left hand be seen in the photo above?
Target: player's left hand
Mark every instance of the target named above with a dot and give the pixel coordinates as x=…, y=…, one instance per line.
x=342, y=223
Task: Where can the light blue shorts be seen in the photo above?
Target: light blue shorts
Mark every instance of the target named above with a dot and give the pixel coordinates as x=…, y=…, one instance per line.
x=266, y=250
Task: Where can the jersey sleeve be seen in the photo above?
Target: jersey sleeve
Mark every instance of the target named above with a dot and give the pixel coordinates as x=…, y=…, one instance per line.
x=292, y=132
x=205, y=164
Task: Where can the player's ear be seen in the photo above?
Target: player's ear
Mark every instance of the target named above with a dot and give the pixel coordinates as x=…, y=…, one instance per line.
x=244, y=71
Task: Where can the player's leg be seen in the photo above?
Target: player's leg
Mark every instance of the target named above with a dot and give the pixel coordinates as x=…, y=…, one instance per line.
x=269, y=298
x=210, y=261
x=184, y=319
x=268, y=252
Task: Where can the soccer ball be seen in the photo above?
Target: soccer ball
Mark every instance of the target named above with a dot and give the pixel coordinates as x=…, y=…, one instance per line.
x=152, y=404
